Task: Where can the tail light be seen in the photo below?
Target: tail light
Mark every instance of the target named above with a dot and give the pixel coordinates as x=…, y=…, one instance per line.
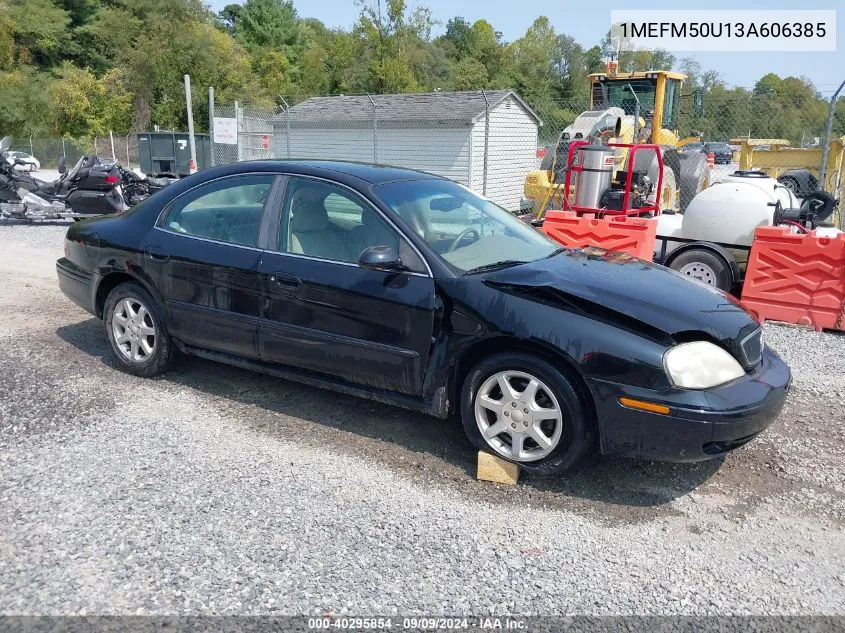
x=112, y=179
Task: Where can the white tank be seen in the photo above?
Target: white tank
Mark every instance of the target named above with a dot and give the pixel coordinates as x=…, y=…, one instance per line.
x=730, y=210
x=668, y=225
x=767, y=184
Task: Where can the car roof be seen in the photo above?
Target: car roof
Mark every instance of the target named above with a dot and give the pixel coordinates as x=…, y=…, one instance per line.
x=373, y=174
x=357, y=175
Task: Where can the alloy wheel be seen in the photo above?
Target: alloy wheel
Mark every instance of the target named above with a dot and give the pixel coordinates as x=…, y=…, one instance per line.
x=518, y=415
x=134, y=330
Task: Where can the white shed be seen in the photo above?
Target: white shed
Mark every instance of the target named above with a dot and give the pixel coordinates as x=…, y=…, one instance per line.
x=485, y=140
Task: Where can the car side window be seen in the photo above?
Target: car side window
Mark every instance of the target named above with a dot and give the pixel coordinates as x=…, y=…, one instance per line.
x=326, y=221
x=228, y=210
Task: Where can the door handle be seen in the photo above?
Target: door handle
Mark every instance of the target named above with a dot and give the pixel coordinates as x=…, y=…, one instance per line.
x=288, y=282
x=156, y=254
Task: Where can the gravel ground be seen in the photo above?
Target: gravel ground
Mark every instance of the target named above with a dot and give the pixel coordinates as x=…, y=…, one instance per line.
x=214, y=490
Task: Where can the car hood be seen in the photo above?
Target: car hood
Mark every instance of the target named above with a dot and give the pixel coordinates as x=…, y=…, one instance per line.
x=630, y=291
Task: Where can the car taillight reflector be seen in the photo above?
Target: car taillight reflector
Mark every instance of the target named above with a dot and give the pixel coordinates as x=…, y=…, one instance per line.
x=112, y=179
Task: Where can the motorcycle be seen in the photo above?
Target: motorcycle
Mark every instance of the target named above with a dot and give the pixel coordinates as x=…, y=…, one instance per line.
x=136, y=189
x=89, y=189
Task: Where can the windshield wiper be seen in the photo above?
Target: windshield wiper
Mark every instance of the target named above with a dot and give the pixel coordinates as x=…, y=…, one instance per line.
x=505, y=263
x=557, y=251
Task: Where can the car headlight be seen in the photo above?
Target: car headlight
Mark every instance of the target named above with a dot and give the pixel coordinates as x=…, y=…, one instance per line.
x=700, y=365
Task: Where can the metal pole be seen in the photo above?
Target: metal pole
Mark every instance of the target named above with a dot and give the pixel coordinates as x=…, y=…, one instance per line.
x=31, y=150
x=287, y=124
x=111, y=139
x=64, y=154
x=828, y=130
x=375, y=139
x=211, y=120
x=190, y=123
x=128, y=164
x=239, y=150
x=636, y=112
x=486, y=140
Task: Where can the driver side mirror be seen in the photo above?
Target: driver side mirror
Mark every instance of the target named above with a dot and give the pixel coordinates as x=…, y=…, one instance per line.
x=62, y=166
x=381, y=258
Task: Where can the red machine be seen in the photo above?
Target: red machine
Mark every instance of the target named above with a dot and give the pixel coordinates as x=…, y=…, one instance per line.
x=607, y=212
x=596, y=190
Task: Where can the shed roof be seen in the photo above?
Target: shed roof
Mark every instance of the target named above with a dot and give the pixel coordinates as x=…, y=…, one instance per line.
x=457, y=107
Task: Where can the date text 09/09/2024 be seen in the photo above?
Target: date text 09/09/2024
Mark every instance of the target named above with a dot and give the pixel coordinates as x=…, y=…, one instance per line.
x=416, y=623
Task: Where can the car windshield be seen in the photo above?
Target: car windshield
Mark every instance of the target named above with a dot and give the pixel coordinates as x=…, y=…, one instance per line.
x=717, y=147
x=468, y=231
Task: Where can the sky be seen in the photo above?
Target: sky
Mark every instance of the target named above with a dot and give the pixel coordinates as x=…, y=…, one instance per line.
x=588, y=25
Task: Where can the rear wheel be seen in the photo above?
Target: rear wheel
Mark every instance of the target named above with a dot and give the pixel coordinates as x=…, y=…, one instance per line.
x=524, y=410
x=704, y=266
x=792, y=184
x=136, y=331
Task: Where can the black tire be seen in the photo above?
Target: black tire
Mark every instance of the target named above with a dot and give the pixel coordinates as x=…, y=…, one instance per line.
x=163, y=350
x=792, y=184
x=577, y=432
x=719, y=273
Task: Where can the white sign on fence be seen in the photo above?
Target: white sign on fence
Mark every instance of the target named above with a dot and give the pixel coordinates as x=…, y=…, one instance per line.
x=225, y=131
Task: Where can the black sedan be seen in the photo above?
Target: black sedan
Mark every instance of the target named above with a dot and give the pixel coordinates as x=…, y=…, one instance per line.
x=410, y=289
x=722, y=153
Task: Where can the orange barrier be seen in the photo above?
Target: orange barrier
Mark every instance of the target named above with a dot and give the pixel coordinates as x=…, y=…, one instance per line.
x=711, y=160
x=797, y=278
x=627, y=234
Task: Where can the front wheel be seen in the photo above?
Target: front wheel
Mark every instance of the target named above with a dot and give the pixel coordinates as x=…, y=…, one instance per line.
x=136, y=331
x=522, y=409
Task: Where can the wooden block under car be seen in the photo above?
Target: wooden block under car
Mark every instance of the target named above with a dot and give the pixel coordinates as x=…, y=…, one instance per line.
x=492, y=468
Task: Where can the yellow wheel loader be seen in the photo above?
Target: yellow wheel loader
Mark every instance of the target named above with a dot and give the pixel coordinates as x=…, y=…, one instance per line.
x=637, y=107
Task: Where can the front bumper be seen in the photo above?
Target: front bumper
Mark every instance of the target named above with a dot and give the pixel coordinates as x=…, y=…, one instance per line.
x=701, y=424
x=78, y=284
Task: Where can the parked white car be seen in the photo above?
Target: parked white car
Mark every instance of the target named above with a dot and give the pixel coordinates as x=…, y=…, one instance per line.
x=30, y=163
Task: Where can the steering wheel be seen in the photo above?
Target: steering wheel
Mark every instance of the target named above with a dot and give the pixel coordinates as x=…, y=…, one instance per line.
x=461, y=237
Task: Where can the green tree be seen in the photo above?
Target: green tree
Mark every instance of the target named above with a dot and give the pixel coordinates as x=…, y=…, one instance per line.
x=40, y=31
x=455, y=40
x=25, y=103
x=85, y=105
x=534, y=53
x=469, y=74
x=389, y=37
x=267, y=24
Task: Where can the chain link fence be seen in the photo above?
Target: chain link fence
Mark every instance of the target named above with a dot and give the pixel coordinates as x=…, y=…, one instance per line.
x=490, y=141
x=123, y=149
x=48, y=150
x=253, y=134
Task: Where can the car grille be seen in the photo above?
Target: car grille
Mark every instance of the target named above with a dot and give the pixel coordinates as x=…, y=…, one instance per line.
x=752, y=348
